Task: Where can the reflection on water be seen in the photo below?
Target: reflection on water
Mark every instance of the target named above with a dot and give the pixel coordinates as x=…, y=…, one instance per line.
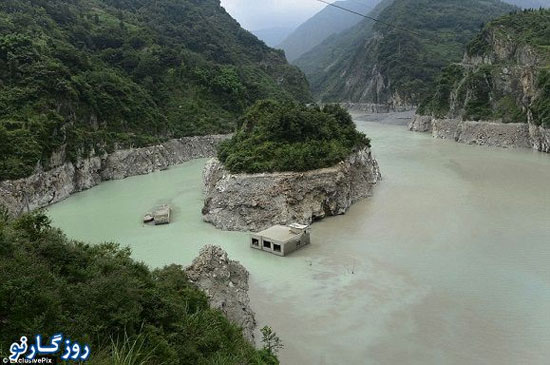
x=446, y=264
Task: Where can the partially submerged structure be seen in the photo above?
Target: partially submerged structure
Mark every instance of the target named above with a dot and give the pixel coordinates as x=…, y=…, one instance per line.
x=161, y=215
x=281, y=240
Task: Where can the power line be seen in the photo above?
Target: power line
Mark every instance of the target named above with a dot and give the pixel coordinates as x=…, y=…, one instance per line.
x=369, y=17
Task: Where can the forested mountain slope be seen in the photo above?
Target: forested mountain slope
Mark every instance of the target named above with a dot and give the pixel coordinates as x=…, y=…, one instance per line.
x=504, y=76
x=322, y=25
x=379, y=64
x=88, y=76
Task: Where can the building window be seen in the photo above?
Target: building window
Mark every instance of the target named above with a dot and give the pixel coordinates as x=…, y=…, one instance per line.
x=276, y=247
x=255, y=242
x=267, y=244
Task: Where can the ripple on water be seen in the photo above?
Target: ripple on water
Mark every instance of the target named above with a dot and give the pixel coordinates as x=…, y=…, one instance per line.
x=446, y=264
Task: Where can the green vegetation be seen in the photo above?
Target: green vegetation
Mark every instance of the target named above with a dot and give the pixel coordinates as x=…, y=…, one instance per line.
x=494, y=91
x=98, y=295
x=439, y=103
x=541, y=106
x=94, y=75
x=527, y=27
x=427, y=35
x=322, y=25
x=291, y=137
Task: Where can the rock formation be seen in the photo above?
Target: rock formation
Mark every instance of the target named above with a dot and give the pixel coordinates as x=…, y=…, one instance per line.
x=508, y=135
x=48, y=187
x=256, y=201
x=225, y=283
x=498, y=94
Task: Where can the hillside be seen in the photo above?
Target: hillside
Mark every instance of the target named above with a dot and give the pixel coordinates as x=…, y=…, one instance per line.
x=90, y=76
x=327, y=22
x=504, y=75
x=98, y=295
x=375, y=63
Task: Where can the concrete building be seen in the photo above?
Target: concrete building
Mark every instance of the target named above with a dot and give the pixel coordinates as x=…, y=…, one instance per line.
x=281, y=240
x=162, y=215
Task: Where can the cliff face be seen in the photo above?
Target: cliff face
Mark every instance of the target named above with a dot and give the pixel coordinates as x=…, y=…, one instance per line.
x=499, y=94
x=48, y=187
x=395, y=67
x=225, y=283
x=257, y=201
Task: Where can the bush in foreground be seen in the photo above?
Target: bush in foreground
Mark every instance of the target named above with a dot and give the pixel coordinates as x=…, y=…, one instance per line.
x=98, y=295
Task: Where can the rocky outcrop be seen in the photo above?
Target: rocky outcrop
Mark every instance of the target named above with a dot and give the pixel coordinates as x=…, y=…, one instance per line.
x=421, y=123
x=225, y=283
x=500, y=83
x=540, y=138
x=256, y=201
x=507, y=135
x=47, y=187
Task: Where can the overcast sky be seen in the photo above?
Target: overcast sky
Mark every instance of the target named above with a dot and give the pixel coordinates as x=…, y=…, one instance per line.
x=262, y=14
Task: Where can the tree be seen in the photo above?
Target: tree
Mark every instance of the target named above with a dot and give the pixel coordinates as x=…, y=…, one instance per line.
x=272, y=342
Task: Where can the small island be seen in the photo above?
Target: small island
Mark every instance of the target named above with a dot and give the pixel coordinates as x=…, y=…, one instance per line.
x=288, y=163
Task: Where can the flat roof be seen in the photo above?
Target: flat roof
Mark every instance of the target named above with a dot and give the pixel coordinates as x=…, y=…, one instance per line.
x=278, y=233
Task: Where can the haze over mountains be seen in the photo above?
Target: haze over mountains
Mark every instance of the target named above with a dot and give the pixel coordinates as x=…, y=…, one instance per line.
x=327, y=22
x=273, y=36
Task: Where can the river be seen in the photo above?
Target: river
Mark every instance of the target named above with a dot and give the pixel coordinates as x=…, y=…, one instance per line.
x=448, y=263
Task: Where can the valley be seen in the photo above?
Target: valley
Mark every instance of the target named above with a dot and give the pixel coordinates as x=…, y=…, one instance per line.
x=400, y=278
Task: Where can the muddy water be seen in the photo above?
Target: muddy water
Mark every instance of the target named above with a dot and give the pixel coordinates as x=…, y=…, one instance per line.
x=447, y=264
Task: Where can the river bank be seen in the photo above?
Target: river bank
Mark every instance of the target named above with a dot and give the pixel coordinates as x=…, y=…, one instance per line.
x=48, y=187
x=446, y=264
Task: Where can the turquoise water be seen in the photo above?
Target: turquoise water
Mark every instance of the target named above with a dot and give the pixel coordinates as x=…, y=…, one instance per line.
x=448, y=263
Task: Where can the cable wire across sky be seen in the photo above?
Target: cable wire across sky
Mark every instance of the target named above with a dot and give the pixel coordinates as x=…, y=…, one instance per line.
x=369, y=17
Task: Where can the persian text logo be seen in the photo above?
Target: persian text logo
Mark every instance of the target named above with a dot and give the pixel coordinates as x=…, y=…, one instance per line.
x=72, y=350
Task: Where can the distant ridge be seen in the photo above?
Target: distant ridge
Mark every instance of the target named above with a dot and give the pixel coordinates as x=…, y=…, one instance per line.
x=272, y=36
x=373, y=63
x=322, y=25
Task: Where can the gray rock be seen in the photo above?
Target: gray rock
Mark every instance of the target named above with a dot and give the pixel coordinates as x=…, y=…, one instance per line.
x=421, y=123
x=253, y=202
x=225, y=283
x=515, y=68
x=48, y=187
x=507, y=135
x=540, y=138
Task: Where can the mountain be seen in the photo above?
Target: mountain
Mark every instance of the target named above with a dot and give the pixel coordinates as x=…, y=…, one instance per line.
x=529, y=4
x=336, y=52
x=327, y=22
x=272, y=36
x=504, y=75
x=395, y=65
x=83, y=77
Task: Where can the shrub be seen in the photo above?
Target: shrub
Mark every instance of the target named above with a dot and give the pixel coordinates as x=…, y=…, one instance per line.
x=283, y=136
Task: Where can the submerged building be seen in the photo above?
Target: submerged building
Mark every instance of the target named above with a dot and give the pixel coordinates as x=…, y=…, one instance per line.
x=281, y=240
x=162, y=215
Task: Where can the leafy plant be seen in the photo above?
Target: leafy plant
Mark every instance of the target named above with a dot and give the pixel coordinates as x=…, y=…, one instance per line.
x=272, y=342
x=290, y=137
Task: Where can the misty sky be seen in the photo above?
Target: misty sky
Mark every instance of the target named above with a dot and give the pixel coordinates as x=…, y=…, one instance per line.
x=262, y=14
